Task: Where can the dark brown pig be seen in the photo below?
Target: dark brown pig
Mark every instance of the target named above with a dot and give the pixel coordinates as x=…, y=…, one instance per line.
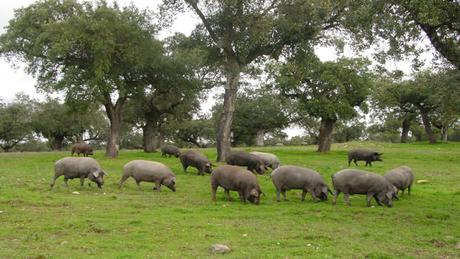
x=82, y=148
x=252, y=162
x=170, y=150
x=401, y=177
x=149, y=171
x=197, y=160
x=234, y=178
x=353, y=181
x=294, y=177
x=363, y=155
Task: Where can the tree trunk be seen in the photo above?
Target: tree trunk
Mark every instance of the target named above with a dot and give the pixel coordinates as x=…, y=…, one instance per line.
x=260, y=138
x=444, y=133
x=114, y=115
x=325, y=135
x=226, y=118
x=57, y=143
x=405, y=130
x=151, y=136
x=427, y=125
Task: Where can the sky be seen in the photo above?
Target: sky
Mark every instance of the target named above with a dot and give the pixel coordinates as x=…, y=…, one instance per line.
x=14, y=79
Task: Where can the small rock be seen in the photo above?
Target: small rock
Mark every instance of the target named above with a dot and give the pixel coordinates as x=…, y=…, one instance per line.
x=245, y=235
x=64, y=242
x=458, y=245
x=1, y=211
x=220, y=249
x=75, y=193
x=308, y=244
x=422, y=181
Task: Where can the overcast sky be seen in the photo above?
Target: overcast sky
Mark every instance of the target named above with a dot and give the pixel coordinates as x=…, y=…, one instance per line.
x=14, y=80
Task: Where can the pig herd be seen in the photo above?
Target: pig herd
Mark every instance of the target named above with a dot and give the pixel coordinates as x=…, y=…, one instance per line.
x=234, y=177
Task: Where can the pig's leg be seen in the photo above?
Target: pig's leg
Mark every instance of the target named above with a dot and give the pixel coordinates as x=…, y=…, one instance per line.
x=65, y=181
x=284, y=194
x=122, y=181
x=227, y=194
x=346, y=196
x=138, y=183
x=278, y=194
x=242, y=198
x=54, y=180
x=402, y=192
x=304, y=193
x=185, y=167
x=157, y=186
x=82, y=180
x=369, y=198
x=377, y=200
x=354, y=161
x=213, y=191
x=313, y=196
x=334, y=199
x=349, y=161
x=408, y=190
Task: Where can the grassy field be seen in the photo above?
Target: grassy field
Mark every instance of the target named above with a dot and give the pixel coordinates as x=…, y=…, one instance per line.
x=39, y=222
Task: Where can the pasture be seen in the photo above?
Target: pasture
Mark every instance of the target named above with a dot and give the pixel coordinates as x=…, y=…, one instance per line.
x=40, y=222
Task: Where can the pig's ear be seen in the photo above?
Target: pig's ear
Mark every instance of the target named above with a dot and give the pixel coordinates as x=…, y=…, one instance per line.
x=96, y=174
x=324, y=189
x=173, y=180
x=254, y=192
x=379, y=153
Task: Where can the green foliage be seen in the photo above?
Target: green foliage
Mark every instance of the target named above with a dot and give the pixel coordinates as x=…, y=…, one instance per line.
x=58, y=122
x=88, y=51
x=199, y=132
x=15, y=121
x=346, y=132
x=257, y=111
x=327, y=90
x=400, y=24
x=40, y=222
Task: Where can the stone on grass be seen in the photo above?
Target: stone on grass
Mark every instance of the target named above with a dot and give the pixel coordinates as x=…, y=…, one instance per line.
x=422, y=181
x=220, y=249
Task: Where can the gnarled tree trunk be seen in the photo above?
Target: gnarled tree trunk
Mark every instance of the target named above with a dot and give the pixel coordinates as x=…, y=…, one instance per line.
x=444, y=133
x=325, y=135
x=226, y=118
x=151, y=136
x=405, y=130
x=427, y=126
x=260, y=138
x=114, y=115
x=57, y=142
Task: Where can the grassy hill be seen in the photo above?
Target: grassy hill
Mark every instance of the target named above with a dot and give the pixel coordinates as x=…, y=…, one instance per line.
x=39, y=222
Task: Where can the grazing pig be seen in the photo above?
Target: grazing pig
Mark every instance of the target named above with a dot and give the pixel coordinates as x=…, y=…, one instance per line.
x=79, y=167
x=197, y=160
x=252, y=162
x=401, y=177
x=234, y=178
x=294, y=177
x=270, y=160
x=149, y=171
x=363, y=154
x=82, y=148
x=170, y=150
x=352, y=181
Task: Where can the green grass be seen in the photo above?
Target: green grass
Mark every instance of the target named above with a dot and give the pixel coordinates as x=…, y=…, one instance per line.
x=39, y=222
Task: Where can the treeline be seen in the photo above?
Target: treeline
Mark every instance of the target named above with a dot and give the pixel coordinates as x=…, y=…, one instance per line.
x=114, y=72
